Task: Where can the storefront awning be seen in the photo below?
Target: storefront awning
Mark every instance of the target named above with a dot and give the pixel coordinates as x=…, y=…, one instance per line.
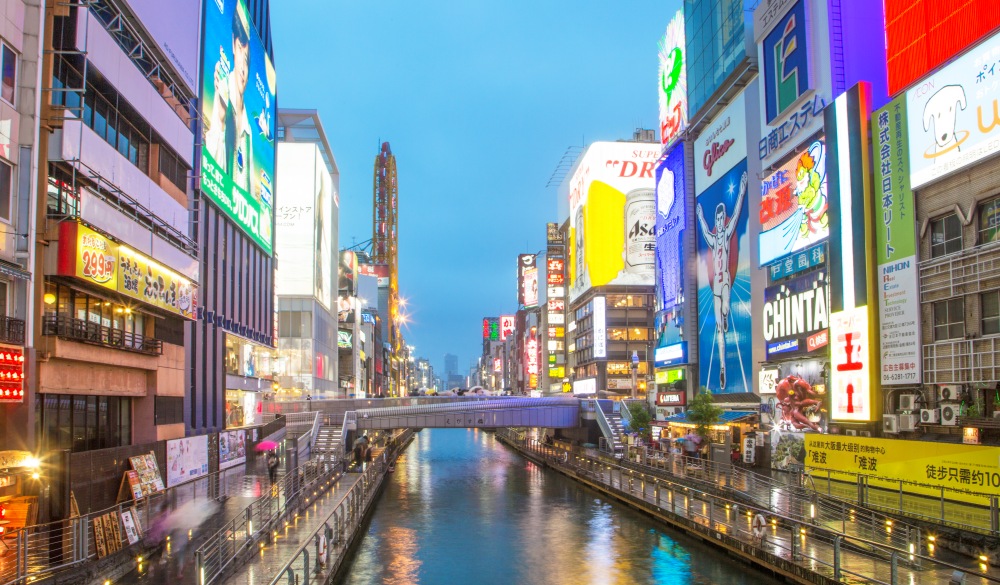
x=8, y=269
x=728, y=416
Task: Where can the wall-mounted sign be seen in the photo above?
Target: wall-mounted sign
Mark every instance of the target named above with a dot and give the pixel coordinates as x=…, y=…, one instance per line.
x=555, y=272
x=670, y=355
x=557, y=305
x=669, y=376
x=796, y=315
x=506, y=326
x=95, y=258
x=552, y=234
x=767, y=380
x=11, y=374
x=673, y=81
x=671, y=203
x=798, y=262
x=896, y=248
x=497, y=365
x=491, y=328
x=722, y=145
x=531, y=287
x=525, y=262
x=792, y=96
x=600, y=328
x=954, y=115
x=344, y=339
x=587, y=386
x=671, y=398
x=793, y=208
x=851, y=376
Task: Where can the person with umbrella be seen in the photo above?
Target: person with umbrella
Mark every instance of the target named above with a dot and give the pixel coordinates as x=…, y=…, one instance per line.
x=272, y=458
x=691, y=441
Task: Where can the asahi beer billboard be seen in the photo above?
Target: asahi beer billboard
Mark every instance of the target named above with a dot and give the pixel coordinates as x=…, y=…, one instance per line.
x=896, y=248
x=612, y=216
x=796, y=317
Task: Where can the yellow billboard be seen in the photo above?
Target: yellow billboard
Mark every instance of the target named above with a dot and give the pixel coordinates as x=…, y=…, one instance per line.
x=95, y=258
x=926, y=467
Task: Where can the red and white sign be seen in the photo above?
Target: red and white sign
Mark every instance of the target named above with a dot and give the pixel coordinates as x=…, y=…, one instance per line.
x=531, y=359
x=721, y=145
x=497, y=365
x=671, y=399
x=851, y=376
x=506, y=326
x=557, y=305
x=11, y=374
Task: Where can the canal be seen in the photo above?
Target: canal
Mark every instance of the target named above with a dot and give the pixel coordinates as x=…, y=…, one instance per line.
x=462, y=508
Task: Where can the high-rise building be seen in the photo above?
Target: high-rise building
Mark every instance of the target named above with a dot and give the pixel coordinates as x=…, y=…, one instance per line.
x=231, y=345
x=450, y=364
x=307, y=282
x=117, y=281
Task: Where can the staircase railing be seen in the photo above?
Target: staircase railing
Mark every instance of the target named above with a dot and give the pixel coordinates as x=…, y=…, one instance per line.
x=605, y=425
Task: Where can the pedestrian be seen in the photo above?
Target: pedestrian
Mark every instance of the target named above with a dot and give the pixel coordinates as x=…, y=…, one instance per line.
x=272, y=466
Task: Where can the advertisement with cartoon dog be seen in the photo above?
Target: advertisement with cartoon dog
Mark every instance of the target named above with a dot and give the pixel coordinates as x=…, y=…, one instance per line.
x=954, y=115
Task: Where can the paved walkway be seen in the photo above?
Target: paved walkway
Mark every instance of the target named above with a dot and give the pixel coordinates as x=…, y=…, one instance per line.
x=261, y=569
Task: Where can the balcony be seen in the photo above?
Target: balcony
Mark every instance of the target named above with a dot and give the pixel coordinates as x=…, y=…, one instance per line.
x=970, y=271
x=66, y=327
x=11, y=331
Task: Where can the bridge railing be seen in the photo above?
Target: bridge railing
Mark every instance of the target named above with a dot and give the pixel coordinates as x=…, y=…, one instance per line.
x=777, y=536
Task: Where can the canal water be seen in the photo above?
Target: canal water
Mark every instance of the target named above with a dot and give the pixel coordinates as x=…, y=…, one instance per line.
x=461, y=508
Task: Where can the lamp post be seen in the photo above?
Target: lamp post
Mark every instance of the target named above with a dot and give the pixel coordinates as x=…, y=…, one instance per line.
x=635, y=372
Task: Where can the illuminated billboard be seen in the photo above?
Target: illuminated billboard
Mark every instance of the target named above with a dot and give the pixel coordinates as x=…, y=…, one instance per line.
x=525, y=262
x=612, y=216
x=954, y=115
x=506, y=326
x=304, y=224
x=920, y=35
x=531, y=287
x=379, y=271
x=491, y=328
x=238, y=84
x=556, y=269
x=796, y=315
x=671, y=198
x=673, y=81
x=724, y=345
x=850, y=396
x=722, y=144
x=793, y=207
x=94, y=258
x=600, y=328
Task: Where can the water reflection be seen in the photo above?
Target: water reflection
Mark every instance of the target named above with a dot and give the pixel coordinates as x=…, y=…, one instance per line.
x=461, y=508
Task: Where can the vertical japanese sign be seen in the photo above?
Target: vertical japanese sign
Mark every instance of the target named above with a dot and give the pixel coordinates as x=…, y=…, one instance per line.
x=849, y=355
x=895, y=248
x=600, y=329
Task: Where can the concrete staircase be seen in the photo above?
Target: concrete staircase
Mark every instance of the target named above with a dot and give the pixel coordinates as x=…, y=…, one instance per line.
x=329, y=443
x=615, y=422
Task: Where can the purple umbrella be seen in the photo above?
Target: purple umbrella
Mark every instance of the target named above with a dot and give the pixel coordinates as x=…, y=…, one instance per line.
x=266, y=445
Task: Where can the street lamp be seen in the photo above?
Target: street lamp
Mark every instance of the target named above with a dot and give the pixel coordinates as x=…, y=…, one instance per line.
x=635, y=372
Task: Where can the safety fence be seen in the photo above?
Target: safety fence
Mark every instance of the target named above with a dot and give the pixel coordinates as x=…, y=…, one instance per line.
x=791, y=542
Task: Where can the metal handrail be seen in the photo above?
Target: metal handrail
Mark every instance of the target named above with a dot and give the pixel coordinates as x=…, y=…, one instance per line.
x=238, y=536
x=595, y=470
x=65, y=326
x=605, y=426
x=346, y=517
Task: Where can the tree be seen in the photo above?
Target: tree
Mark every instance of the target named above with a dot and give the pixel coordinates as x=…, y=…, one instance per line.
x=640, y=419
x=703, y=413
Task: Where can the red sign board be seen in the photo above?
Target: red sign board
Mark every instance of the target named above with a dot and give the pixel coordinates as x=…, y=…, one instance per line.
x=922, y=35
x=11, y=374
x=671, y=399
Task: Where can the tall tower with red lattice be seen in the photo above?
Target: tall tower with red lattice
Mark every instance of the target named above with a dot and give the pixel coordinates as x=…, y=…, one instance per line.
x=385, y=246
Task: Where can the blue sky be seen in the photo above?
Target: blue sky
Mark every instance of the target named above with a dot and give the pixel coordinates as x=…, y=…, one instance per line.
x=479, y=101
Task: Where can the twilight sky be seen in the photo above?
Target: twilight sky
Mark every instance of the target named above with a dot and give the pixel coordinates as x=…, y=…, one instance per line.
x=479, y=101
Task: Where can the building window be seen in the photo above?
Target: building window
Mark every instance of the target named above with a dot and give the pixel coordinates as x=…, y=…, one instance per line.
x=8, y=73
x=173, y=169
x=168, y=410
x=946, y=235
x=84, y=423
x=6, y=189
x=949, y=319
x=991, y=313
x=989, y=221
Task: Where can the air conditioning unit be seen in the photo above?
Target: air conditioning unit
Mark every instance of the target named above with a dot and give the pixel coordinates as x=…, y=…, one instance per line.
x=930, y=416
x=851, y=432
x=890, y=423
x=949, y=393
x=949, y=414
x=908, y=422
x=908, y=402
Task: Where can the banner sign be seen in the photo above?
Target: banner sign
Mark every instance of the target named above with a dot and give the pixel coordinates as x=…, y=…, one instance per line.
x=896, y=248
x=600, y=328
x=886, y=462
x=798, y=262
x=95, y=258
x=796, y=315
x=671, y=199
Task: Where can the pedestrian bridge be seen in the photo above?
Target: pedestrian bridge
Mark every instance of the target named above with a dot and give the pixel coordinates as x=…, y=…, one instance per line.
x=548, y=412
